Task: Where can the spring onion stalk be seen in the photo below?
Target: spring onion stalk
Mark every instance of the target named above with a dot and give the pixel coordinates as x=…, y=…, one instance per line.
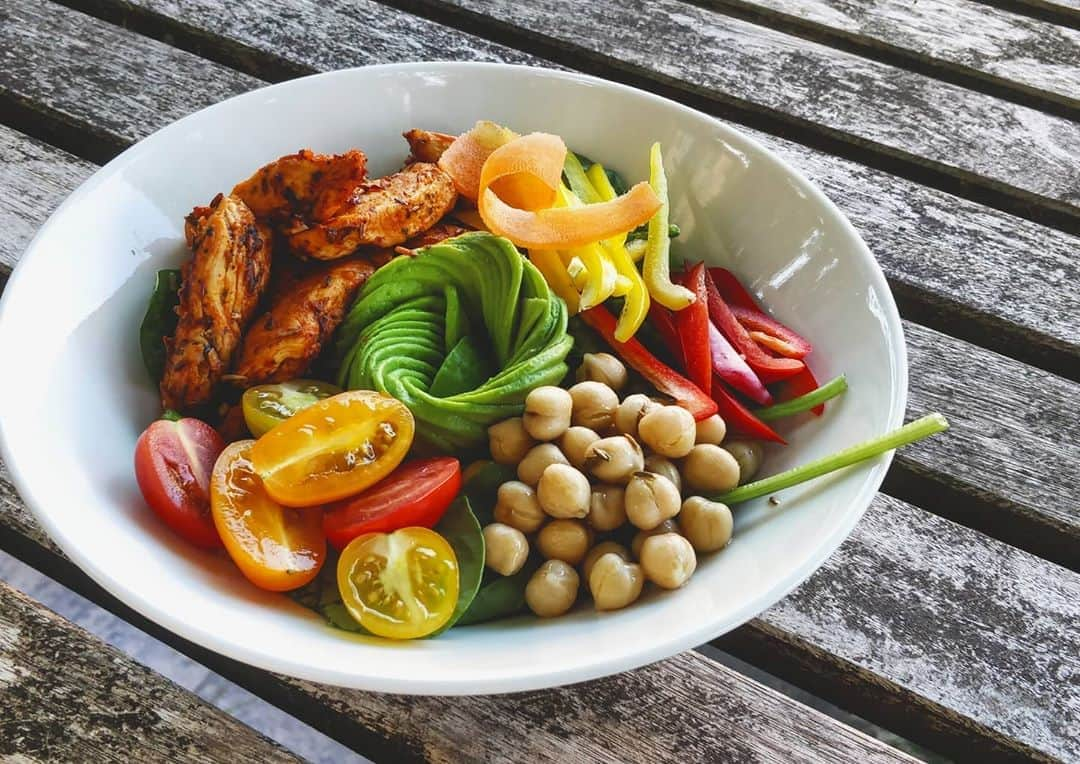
x=909, y=433
x=803, y=403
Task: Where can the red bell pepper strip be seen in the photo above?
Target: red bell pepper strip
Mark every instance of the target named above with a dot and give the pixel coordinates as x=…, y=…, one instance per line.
x=732, y=290
x=771, y=333
x=662, y=377
x=692, y=324
x=767, y=367
x=665, y=326
x=800, y=384
x=740, y=419
x=731, y=368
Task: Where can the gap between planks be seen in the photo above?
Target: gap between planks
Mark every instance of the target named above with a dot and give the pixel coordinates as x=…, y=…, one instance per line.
x=776, y=16
x=1066, y=13
x=969, y=184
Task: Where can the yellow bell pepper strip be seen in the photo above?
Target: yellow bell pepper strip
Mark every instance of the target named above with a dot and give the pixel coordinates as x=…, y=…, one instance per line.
x=549, y=264
x=580, y=277
x=656, y=268
x=601, y=271
x=636, y=307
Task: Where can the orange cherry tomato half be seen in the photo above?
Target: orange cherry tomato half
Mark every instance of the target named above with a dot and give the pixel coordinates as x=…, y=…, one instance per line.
x=276, y=548
x=400, y=585
x=416, y=493
x=335, y=448
x=173, y=462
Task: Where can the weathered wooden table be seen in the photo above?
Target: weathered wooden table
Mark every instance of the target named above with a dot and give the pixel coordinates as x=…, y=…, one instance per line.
x=947, y=130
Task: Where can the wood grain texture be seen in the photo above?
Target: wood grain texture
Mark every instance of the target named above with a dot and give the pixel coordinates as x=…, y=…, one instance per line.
x=945, y=615
x=67, y=696
x=35, y=178
x=954, y=259
x=684, y=709
x=916, y=234
x=698, y=51
x=1014, y=52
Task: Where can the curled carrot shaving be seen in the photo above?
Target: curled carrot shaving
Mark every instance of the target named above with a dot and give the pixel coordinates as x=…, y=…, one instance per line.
x=464, y=159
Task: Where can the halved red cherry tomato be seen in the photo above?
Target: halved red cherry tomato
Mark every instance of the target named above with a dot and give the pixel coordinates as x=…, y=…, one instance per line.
x=173, y=462
x=400, y=585
x=334, y=448
x=276, y=548
x=415, y=494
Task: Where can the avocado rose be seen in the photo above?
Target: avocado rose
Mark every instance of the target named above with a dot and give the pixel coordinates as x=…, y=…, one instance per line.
x=459, y=333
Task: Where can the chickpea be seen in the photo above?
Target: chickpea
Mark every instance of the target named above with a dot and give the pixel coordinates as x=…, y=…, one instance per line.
x=594, y=405
x=508, y=441
x=651, y=499
x=607, y=510
x=604, y=368
x=668, y=560
x=598, y=551
x=552, y=589
x=711, y=430
x=710, y=468
x=614, y=459
x=563, y=491
x=661, y=465
x=748, y=453
x=505, y=549
x=547, y=412
x=668, y=430
x=574, y=442
x=516, y=505
x=614, y=582
x=668, y=526
x=706, y=524
x=538, y=459
x=631, y=411
x=566, y=540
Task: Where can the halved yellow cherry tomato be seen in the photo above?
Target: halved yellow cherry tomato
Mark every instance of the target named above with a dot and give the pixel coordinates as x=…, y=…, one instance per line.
x=400, y=585
x=276, y=548
x=266, y=406
x=334, y=448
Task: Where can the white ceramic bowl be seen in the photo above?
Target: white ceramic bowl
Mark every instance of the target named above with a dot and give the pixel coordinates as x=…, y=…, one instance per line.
x=74, y=396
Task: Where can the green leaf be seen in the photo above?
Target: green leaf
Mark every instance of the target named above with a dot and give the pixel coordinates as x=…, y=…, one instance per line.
x=464, y=368
x=461, y=529
x=171, y=415
x=483, y=487
x=159, y=322
x=499, y=596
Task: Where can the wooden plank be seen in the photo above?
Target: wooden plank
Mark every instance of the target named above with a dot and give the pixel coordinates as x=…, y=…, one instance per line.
x=67, y=696
x=950, y=260
x=804, y=87
x=1035, y=508
x=963, y=41
x=1066, y=12
x=962, y=628
x=35, y=178
x=921, y=625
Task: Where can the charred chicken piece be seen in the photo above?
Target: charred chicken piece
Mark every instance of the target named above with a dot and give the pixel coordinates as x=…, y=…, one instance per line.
x=439, y=232
x=220, y=289
x=282, y=343
x=383, y=213
x=426, y=146
x=304, y=188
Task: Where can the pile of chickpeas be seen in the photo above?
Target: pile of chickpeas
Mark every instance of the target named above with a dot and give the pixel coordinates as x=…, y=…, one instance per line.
x=588, y=464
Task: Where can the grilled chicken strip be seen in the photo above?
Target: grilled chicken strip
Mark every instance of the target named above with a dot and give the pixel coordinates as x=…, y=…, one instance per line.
x=221, y=286
x=282, y=343
x=304, y=188
x=426, y=146
x=383, y=213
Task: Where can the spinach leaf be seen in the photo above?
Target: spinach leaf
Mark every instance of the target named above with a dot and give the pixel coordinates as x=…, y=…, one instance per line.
x=159, y=322
x=461, y=529
x=499, y=596
x=321, y=594
x=464, y=368
x=483, y=487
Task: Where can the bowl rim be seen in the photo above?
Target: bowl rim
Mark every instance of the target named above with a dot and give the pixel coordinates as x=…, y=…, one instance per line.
x=524, y=680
